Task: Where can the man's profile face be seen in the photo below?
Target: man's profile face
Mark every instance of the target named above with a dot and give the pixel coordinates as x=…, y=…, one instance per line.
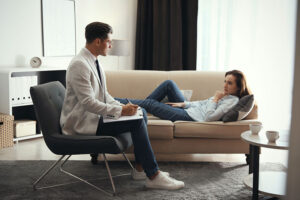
x=104, y=45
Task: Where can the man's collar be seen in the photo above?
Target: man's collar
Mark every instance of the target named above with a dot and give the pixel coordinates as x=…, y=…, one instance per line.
x=90, y=54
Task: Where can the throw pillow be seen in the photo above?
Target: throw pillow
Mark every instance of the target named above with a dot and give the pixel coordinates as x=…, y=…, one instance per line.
x=187, y=94
x=240, y=110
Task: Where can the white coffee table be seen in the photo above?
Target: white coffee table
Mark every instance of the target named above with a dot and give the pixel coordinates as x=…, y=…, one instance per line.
x=269, y=183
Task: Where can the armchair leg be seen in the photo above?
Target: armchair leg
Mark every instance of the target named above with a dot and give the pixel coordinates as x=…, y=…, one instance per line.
x=78, y=178
x=109, y=174
x=46, y=172
x=68, y=173
x=128, y=160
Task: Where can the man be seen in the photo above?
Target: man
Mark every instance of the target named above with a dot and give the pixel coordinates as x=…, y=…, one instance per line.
x=87, y=99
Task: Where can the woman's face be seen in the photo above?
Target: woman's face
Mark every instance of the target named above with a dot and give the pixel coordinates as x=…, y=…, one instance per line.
x=230, y=86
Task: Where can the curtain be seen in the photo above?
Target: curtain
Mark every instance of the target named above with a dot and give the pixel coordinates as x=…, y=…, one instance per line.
x=166, y=35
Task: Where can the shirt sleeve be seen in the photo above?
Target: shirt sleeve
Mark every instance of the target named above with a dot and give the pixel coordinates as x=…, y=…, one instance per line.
x=187, y=104
x=215, y=112
x=111, y=100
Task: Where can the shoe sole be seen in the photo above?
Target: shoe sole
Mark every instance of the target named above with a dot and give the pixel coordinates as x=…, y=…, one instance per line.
x=140, y=179
x=161, y=188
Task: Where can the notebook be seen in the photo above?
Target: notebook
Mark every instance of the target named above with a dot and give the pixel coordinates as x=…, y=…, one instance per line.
x=138, y=115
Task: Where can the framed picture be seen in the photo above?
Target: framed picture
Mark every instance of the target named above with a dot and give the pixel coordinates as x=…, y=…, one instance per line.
x=59, y=27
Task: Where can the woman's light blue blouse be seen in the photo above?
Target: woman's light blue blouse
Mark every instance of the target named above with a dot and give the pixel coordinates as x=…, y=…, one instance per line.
x=208, y=110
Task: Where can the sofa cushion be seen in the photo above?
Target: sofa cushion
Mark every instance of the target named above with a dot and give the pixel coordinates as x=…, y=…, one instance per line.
x=241, y=110
x=160, y=129
x=216, y=130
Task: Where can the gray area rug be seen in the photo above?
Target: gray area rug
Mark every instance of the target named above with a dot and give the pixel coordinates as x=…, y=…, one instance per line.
x=207, y=181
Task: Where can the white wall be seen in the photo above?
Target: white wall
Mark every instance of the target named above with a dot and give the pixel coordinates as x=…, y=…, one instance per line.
x=21, y=30
x=120, y=14
x=20, y=35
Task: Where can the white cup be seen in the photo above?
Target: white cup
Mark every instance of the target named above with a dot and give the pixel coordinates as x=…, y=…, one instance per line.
x=255, y=128
x=272, y=136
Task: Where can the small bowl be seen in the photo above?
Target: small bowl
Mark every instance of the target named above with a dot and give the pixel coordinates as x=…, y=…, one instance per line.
x=272, y=136
x=255, y=128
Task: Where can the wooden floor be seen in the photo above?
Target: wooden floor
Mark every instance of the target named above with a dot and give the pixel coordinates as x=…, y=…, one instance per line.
x=36, y=149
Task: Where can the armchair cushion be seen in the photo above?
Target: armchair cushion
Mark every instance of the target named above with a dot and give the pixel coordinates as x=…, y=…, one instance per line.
x=83, y=144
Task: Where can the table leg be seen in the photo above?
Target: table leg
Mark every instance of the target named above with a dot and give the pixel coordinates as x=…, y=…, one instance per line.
x=251, y=159
x=255, y=154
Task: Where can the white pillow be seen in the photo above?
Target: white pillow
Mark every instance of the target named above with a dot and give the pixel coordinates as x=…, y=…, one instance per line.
x=187, y=94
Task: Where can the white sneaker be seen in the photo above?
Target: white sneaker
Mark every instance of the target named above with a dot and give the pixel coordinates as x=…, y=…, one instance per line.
x=136, y=175
x=161, y=181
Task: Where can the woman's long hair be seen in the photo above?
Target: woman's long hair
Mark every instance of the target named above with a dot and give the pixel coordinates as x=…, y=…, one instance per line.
x=241, y=82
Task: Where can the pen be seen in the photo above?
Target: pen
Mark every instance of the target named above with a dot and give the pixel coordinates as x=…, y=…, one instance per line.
x=128, y=101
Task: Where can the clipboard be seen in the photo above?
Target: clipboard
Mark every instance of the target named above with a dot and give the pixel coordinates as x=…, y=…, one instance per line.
x=138, y=115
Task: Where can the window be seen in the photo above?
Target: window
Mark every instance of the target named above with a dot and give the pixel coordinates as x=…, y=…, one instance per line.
x=258, y=38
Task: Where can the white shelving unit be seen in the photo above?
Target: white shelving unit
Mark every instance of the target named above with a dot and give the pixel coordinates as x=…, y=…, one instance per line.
x=25, y=110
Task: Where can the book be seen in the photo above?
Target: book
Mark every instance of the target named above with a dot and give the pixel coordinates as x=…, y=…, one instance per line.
x=138, y=115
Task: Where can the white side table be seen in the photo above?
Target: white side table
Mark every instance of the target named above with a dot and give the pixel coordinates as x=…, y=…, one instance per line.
x=268, y=183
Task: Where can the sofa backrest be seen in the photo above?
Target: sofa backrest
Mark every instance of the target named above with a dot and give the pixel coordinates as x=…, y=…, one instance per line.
x=138, y=84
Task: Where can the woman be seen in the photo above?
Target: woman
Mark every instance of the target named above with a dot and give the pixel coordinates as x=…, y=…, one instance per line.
x=211, y=109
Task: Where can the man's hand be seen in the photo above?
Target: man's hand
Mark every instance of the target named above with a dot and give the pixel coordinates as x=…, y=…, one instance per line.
x=129, y=109
x=176, y=105
x=218, y=95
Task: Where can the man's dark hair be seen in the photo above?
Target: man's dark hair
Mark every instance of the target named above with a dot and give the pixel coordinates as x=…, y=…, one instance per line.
x=97, y=30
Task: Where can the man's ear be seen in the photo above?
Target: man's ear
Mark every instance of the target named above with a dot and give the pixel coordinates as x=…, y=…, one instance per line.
x=98, y=41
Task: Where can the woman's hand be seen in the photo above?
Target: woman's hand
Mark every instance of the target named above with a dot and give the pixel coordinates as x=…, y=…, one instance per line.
x=218, y=95
x=176, y=105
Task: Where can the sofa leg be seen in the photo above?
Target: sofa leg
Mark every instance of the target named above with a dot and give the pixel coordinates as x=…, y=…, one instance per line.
x=94, y=158
x=248, y=158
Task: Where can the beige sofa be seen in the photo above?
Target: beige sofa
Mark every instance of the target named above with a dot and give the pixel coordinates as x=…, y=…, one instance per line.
x=183, y=137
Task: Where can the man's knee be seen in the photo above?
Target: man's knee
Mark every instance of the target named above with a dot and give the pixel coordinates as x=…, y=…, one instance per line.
x=139, y=123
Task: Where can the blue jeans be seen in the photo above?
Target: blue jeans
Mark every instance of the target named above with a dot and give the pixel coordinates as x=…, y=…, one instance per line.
x=153, y=105
x=142, y=148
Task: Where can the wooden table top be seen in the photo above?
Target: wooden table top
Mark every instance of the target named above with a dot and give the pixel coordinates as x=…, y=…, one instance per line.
x=262, y=141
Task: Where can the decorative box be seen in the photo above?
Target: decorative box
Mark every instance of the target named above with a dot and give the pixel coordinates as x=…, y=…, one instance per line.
x=24, y=128
x=6, y=130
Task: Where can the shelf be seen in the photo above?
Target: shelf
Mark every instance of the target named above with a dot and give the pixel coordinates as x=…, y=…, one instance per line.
x=27, y=137
x=25, y=109
x=25, y=104
x=271, y=183
x=30, y=69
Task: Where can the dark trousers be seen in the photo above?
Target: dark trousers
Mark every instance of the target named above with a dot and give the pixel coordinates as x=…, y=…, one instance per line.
x=142, y=148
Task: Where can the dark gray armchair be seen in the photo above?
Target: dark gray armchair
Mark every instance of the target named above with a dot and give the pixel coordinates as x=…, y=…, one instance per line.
x=48, y=100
